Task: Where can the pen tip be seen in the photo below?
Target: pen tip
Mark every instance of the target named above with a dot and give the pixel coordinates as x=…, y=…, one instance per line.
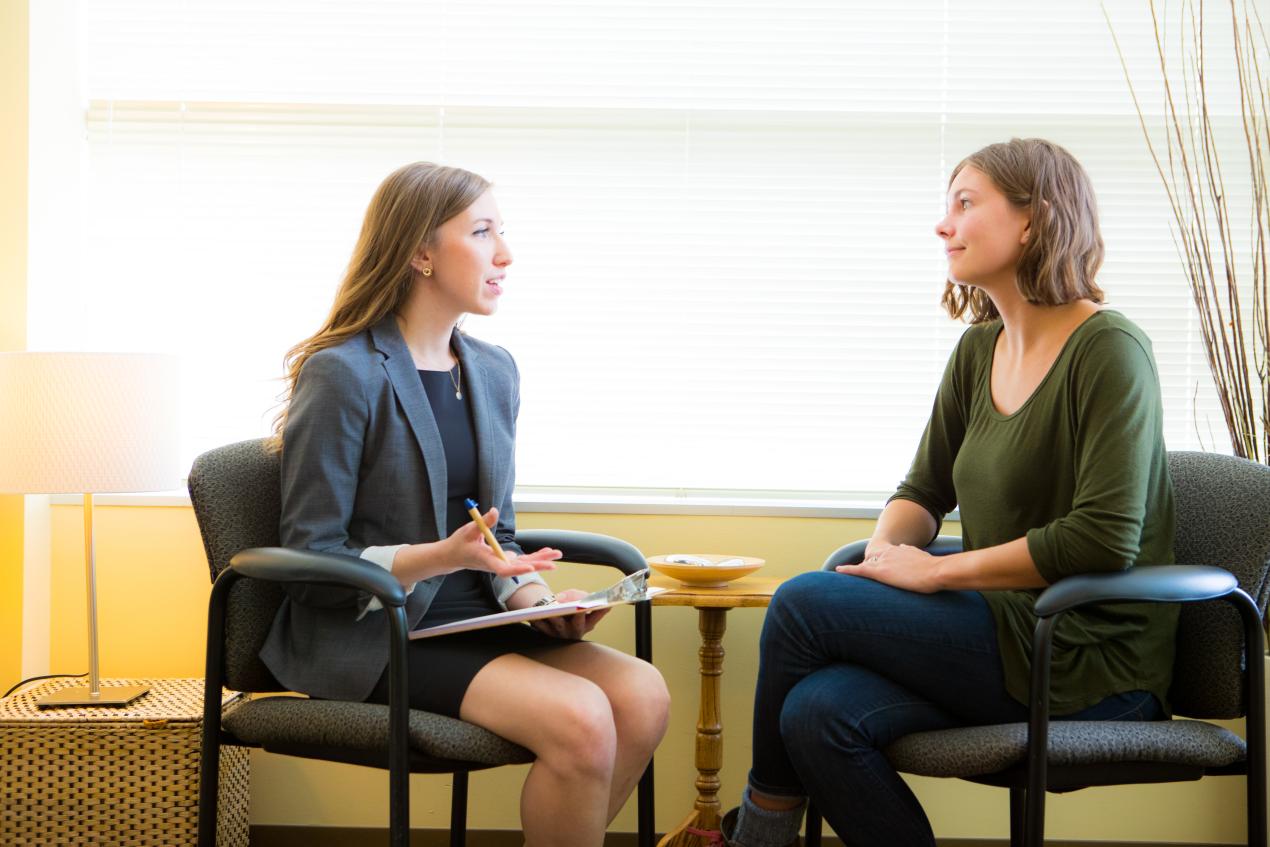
x=470, y=503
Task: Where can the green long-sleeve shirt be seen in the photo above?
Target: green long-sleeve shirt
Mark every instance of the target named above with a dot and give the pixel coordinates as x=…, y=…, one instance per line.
x=1080, y=470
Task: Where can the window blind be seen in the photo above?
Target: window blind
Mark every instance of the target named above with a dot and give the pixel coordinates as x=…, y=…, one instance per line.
x=725, y=277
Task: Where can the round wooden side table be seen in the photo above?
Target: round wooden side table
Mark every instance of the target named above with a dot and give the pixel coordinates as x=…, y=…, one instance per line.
x=712, y=605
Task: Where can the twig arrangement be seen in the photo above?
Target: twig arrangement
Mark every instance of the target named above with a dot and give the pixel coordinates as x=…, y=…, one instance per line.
x=1205, y=224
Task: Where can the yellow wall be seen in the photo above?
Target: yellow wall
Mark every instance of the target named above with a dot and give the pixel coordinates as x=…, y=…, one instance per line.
x=13, y=194
x=152, y=589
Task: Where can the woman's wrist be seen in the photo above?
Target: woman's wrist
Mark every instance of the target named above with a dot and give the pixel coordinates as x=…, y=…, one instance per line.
x=876, y=545
x=529, y=595
x=952, y=571
x=415, y=562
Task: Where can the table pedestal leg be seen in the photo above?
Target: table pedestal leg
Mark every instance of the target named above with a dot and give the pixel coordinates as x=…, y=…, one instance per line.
x=709, y=754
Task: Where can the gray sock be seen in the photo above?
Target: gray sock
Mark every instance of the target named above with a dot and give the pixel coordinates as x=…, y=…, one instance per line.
x=759, y=827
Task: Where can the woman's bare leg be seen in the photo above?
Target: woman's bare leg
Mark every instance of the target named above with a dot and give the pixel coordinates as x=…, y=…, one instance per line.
x=639, y=700
x=567, y=722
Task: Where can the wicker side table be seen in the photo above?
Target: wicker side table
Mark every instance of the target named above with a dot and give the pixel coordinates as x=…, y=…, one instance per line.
x=107, y=776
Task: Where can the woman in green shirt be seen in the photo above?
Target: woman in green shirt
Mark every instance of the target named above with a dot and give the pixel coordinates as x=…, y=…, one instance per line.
x=1047, y=432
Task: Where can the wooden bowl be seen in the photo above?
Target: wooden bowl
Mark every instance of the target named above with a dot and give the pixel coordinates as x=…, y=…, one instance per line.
x=704, y=570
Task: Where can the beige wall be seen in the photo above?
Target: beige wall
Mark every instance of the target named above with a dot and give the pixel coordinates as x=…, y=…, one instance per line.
x=13, y=229
x=153, y=585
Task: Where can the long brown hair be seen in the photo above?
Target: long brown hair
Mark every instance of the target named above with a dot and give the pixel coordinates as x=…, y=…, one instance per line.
x=402, y=218
x=1064, y=249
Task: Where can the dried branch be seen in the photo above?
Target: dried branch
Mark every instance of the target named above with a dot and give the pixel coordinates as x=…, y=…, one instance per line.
x=1205, y=220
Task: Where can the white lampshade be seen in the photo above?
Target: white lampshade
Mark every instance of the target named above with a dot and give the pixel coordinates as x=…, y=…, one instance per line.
x=88, y=423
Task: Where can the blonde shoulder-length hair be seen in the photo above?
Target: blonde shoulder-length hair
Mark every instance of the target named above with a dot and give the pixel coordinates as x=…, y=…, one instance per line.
x=1064, y=249
x=403, y=217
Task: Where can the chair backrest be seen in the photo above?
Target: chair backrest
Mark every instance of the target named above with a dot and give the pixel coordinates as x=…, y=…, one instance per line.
x=1223, y=519
x=236, y=493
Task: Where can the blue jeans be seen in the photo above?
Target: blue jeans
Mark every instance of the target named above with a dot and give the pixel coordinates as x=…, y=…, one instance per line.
x=847, y=665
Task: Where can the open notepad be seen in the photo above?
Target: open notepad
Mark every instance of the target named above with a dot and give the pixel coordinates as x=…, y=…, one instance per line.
x=631, y=589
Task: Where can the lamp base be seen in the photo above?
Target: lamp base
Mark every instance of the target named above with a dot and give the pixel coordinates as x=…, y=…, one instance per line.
x=114, y=695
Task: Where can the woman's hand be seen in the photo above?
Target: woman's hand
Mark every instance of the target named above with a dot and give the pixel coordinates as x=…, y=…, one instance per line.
x=570, y=627
x=899, y=565
x=466, y=548
x=876, y=548
x=1005, y=566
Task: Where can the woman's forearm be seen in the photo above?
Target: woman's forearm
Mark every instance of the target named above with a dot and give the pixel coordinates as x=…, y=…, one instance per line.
x=1004, y=566
x=905, y=525
x=415, y=562
x=907, y=566
x=903, y=522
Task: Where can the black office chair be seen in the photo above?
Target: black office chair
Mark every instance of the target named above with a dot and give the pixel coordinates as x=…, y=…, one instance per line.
x=236, y=495
x=1223, y=521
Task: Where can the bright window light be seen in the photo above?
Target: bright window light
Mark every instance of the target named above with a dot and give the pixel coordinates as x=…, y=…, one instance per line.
x=722, y=213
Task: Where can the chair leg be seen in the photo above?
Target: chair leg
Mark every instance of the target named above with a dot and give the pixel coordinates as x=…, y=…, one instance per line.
x=1254, y=646
x=1257, y=808
x=645, y=825
x=813, y=825
x=458, y=810
x=1034, y=822
x=210, y=743
x=208, y=792
x=398, y=811
x=1018, y=804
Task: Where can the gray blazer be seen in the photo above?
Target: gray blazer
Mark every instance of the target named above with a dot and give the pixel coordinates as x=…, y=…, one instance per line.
x=363, y=466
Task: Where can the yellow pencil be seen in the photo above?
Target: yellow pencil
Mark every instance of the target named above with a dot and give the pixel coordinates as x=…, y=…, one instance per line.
x=480, y=521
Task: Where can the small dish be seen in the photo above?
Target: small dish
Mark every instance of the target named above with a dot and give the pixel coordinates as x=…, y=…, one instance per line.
x=702, y=570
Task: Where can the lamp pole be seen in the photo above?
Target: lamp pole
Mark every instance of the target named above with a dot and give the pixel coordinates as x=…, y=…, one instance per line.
x=88, y=423
x=94, y=695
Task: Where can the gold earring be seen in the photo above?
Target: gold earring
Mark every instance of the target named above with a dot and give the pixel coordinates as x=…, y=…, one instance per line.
x=426, y=271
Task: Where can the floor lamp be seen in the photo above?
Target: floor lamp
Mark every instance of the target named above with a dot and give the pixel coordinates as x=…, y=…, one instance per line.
x=88, y=423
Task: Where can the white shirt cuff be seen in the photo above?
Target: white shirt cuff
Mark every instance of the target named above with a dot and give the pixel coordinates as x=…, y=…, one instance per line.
x=506, y=586
x=383, y=557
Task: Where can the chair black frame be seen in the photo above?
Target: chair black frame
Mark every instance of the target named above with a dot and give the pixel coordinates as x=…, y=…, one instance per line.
x=1029, y=781
x=280, y=566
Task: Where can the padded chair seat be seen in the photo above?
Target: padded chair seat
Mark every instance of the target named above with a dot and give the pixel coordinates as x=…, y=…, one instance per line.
x=979, y=750
x=292, y=721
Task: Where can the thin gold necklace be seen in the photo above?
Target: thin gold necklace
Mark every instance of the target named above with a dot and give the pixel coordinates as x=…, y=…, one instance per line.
x=457, y=383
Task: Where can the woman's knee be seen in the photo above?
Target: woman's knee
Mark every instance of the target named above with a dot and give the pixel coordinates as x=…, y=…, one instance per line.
x=641, y=707
x=800, y=591
x=847, y=710
x=810, y=712
x=830, y=591
x=579, y=732
x=796, y=603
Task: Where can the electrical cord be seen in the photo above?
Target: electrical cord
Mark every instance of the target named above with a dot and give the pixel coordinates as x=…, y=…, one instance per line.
x=45, y=676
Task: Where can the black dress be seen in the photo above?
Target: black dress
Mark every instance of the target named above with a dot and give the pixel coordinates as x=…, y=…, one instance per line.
x=442, y=668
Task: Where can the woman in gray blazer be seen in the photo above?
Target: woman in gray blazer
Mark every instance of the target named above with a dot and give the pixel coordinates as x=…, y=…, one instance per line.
x=394, y=418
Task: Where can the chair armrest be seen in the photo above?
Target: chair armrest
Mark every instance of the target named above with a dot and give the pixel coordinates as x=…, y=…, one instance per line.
x=587, y=548
x=1155, y=584
x=280, y=564
x=853, y=553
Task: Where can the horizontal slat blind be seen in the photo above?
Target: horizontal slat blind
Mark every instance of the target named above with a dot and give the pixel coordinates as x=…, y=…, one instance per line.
x=722, y=213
